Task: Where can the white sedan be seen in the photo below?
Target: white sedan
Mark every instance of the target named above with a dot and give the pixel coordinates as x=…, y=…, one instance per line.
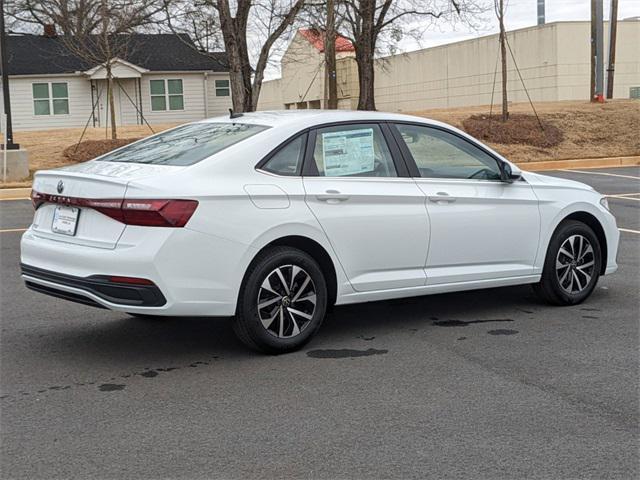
x=273, y=217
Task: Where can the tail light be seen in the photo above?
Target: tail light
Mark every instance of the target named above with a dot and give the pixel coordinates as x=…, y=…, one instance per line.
x=142, y=212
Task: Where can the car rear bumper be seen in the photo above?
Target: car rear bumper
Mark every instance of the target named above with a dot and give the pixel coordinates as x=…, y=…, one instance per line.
x=193, y=274
x=46, y=281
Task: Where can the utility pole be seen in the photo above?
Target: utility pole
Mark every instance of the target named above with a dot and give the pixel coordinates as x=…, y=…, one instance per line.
x=503, y=57
x=541, y=19
x=613, y=30
x=5, y=82
x=597, y=52
x=330, y=56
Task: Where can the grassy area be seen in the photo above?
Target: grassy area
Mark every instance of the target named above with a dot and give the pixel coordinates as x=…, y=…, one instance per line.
x=588, y=130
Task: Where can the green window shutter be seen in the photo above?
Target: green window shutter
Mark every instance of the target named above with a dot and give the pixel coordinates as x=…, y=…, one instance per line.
x=176, y=102
x=40, y=90
x=174, y=87
x=59, y=90
x=157, y=87
x=158, y=103
x=41, y=107
x=60, y=107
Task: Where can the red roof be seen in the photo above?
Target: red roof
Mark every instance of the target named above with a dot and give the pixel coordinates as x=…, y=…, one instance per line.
x=316, y=38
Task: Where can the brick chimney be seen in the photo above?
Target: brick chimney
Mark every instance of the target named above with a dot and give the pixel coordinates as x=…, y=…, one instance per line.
x=50, y=30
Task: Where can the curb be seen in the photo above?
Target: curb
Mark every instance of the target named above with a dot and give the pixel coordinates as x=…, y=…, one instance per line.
x=15, y=193
x=580, y=163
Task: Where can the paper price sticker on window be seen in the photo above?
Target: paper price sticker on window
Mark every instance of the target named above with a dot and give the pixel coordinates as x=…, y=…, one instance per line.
x=348, y=152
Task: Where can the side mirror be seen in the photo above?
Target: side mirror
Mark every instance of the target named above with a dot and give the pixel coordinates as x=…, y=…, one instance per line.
x=510, y=174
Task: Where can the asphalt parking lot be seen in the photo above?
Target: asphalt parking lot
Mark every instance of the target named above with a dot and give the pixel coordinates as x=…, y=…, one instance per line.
x=486, y=384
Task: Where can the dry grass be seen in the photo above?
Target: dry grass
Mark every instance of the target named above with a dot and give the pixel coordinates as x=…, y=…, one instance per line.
x=589, y=130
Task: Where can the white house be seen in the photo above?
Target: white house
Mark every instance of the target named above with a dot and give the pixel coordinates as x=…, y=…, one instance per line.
x=162, y=79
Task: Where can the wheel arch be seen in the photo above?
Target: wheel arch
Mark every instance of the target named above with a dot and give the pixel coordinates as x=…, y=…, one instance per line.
x=317, y=252
x=592, y=222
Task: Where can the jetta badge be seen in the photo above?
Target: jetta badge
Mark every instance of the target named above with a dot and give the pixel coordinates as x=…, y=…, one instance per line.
x=60, y=186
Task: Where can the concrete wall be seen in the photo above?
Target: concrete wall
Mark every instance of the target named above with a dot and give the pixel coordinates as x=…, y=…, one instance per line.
x=195, y=87
x=554, y=61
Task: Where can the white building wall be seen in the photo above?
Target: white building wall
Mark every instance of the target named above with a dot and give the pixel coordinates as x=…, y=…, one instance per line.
x=554, y=61
x=22, y=112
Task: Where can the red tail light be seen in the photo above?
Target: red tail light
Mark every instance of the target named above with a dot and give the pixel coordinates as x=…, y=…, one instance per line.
x=148, y=213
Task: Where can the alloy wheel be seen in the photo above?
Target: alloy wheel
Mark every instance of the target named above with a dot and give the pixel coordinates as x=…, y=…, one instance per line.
x=575, y=264
x=286, y=301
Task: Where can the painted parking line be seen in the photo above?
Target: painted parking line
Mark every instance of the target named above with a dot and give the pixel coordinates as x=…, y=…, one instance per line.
x=628, y=230
x=621, y=197
x=13, y=199
x=601, y=173
x=13, y=230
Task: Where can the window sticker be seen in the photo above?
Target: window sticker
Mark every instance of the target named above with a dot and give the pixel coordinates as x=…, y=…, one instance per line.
x=348, y=152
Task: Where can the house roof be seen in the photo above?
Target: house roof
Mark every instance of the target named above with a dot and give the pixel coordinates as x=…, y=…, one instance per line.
x=316, y=38
x=33, y=55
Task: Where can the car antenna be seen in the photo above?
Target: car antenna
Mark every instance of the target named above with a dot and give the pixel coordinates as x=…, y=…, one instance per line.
x=234, y=115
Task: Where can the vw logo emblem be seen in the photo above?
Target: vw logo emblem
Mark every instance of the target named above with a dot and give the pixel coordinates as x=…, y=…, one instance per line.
x=60, y=187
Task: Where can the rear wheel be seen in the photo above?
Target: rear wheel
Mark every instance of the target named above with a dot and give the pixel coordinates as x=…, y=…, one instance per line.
x=282, y=301
x=572, y=265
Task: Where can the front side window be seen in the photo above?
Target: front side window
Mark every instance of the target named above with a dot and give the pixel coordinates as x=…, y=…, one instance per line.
x=287, y=160
x=222, y=88
x=358, y=150
x=50, y=98
x=440, y=154
x=166, y=95
x=184, y=145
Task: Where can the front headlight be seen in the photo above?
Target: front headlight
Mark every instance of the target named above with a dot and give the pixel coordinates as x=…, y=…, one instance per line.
x=605, y=203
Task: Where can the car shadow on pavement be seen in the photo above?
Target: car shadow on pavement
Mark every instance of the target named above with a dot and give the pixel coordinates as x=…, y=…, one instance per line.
x=172, y=340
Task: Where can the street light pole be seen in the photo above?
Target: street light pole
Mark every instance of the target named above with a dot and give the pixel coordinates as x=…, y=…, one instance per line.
x=5, y=82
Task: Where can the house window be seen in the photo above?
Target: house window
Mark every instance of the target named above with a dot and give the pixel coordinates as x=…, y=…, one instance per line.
x=50, y=98
x=222, y=88
x=166, y=95
x=634, y=92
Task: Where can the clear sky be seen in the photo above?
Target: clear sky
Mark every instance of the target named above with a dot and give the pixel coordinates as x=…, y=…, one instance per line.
x=521, y=13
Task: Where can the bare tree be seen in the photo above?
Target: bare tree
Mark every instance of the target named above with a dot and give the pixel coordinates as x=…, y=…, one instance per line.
x=499, y=8
x=246, y=26
x=330, y=56
x=367, y=21
x=96, y=31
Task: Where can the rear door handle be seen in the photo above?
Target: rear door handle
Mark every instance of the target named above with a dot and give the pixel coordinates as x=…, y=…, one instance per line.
x=442, y=197
x=332, y=196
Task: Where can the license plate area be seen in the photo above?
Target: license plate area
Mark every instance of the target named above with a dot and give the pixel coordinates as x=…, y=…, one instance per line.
x=65, y=220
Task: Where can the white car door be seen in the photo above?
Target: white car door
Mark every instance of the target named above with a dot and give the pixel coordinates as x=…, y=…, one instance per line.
x=481, y=227
x=372, y=212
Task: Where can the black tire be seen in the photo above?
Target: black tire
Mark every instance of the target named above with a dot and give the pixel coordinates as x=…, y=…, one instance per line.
x=554, y=285
x=249, y=322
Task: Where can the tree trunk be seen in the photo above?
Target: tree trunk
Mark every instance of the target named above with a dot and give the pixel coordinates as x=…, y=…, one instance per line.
x=503, y=61
x=365, y=49
x=234, y=36
x=330, y=57
x=112, y=111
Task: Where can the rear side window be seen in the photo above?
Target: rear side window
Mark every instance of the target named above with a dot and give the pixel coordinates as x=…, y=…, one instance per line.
x=288, y=159
x=184, y=145
x=355, y=150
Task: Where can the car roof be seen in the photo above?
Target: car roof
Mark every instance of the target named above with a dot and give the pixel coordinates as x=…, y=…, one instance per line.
x=308, y=118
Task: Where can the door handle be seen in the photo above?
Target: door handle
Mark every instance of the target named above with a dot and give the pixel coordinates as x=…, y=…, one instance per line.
x=332, y=196
x=441, y=197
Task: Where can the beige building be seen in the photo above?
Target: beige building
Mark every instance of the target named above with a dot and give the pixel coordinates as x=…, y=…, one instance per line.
x=554, y=60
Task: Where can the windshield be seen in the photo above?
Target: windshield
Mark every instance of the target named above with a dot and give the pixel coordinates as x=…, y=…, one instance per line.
x=184, y=145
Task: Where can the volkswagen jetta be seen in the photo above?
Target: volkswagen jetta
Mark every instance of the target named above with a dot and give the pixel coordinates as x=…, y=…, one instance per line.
x=273, y=217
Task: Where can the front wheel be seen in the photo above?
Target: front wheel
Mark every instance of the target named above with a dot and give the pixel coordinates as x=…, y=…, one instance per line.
x=282, y=301
x=572, y=265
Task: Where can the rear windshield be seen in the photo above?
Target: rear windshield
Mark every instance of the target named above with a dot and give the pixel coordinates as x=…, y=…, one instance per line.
x=184, y=145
